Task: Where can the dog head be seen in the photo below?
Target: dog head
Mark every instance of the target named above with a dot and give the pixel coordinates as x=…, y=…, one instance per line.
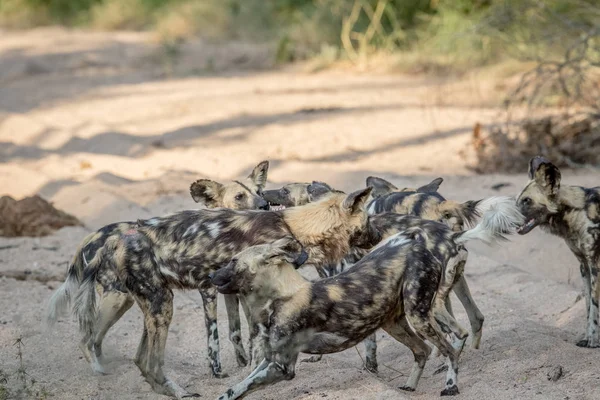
x=539, y=199
x=456, y=215
x=237, y=195
x=259, y=267
x=381, y=187
x=296, y=194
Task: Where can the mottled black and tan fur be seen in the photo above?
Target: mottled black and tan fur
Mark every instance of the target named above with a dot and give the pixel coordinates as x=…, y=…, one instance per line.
x=572, y=213
x=394, y=288
x=500, y=207
x=180, y=250
x=115, y=301
x=382, y=187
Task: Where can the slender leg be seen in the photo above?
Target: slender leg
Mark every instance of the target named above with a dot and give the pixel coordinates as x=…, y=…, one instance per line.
x=476, y=318
x=371, y=353
x=209, y=301
x=592, y=293
x=142, y=350
x=158, y=314
x=232, y=304
x=402, y=332
x=112, y=307
x=267, y=373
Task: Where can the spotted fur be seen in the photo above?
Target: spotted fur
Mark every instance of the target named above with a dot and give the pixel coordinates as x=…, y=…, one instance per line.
x=394, y=287
x=161, y=254
x=116, y=301
x=572, y=213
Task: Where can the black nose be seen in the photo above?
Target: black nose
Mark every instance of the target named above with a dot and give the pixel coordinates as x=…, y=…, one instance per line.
x=211, y=276
x=264, y=206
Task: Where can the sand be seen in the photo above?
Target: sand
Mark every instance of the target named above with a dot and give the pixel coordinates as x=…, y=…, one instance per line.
x=90, y=122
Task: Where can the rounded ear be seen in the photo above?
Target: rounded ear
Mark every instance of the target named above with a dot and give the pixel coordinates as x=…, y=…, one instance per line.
x=259, y=174
x=206, y=192
x=316, y=190
x=380, y=186
x=431, y=187
x=355, y=201
x=545, y=174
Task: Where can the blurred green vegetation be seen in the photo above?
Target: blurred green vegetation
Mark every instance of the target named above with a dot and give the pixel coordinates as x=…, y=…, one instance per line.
x=426, y=35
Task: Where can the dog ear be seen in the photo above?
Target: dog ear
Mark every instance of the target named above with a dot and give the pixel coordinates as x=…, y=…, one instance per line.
x=355, y=201
x=380, y=186
x=291, y=250
x=545, y=174
x=469, y=212
x=316, y=190
x=431, y=187
x=259, y=174
x=206, y=192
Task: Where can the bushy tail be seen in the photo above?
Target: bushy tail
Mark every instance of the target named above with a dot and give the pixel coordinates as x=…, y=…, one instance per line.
x=84, y=303
x=500, y=217
x=61, y=299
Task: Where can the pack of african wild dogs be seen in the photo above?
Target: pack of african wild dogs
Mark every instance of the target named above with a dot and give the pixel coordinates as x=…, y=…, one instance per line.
x=387, y=258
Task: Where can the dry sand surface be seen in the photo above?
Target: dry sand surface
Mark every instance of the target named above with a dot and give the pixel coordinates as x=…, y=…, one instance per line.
x=88, y=121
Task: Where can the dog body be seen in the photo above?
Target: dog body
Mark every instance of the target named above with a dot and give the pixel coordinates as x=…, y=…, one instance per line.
x=181, y=250
x=116, y=301
x=572, y=213
x=394, y=288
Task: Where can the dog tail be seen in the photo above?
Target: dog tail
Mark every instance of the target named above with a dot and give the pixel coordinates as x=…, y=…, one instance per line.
x=84, y=303
x=61, y=299
x=500, y=217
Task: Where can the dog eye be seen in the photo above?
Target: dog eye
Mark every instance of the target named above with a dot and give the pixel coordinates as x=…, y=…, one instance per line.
x=526, y=200
x=285, y=191
x=239, y=196
x=447, y=215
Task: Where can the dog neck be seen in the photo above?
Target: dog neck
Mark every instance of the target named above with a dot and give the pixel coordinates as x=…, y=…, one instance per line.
x=284, y=284
x=571, y=197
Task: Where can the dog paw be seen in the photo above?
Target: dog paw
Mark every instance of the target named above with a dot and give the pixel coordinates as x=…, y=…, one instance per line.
x=440, y=369
x=371, y=367
x=407, y=388
x=451, y=391
x=242, y=361
x=313, y=359
x=190, y=395
x=590, y=344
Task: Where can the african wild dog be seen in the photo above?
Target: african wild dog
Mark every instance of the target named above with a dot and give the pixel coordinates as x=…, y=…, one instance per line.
x=572, y=213
x=381, y=187
x=433, y=206
x=115, y=300
x=399, y=286
x=425, y=205
x=392, y=288
x=180, y=250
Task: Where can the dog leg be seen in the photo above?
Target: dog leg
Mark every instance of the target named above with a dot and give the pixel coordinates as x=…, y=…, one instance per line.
x=232, y=304
x=371, y=353
x=112, y=307
x=476, y=318
x=402, y=332
x=209, y=301
x=432, y=332
x=142, y=350
x=593, y=293
x=158, y=318
x=267, y=373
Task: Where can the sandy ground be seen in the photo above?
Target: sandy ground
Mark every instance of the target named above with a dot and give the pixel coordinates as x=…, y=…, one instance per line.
x=90, y=122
